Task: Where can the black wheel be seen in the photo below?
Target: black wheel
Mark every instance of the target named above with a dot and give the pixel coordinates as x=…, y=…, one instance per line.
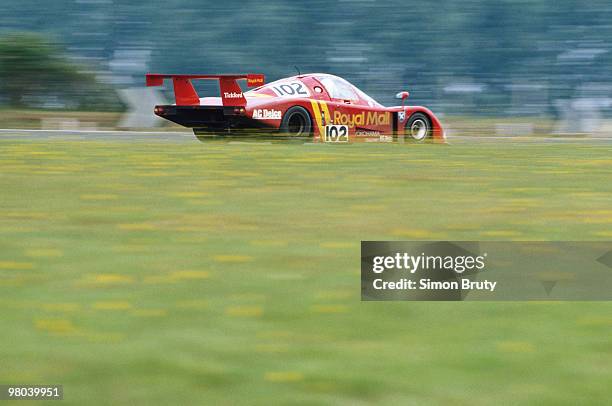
x=296, y=122
x=418, y=127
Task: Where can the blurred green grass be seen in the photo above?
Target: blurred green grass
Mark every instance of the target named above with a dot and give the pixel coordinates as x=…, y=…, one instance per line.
x=34, y=119
x=178, y=272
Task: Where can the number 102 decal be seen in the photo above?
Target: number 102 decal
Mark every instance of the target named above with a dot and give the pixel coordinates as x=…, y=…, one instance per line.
x=336, y=133
x=291, y=89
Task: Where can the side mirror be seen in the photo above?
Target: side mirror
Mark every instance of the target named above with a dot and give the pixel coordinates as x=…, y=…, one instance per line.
x=402, y=95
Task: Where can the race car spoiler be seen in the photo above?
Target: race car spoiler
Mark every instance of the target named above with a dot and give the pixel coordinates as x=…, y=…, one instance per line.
x=186, y=95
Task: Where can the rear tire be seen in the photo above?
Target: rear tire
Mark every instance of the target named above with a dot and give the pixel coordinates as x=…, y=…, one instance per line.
x=296, y=122
x=418, y=127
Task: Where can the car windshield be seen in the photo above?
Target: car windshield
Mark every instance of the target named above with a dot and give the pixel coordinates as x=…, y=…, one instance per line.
x=339, y=88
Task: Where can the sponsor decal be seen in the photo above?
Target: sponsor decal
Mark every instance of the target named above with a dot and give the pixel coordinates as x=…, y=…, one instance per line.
x=362, y=119
x=291, y=89
x=336, y=133
x=401, y=116
x=321, y=115
x=255, y=80
x=265, y=114
x=232, y=95
x=367, y=133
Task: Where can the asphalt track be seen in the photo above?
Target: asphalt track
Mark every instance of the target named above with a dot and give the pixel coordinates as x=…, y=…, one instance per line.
x=182, y=136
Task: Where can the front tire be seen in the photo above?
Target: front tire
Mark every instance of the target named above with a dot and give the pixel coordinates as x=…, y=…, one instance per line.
x=418, y=127
x=296, y=122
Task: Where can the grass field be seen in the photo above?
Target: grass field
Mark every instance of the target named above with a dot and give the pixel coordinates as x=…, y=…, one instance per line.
x=162, y=272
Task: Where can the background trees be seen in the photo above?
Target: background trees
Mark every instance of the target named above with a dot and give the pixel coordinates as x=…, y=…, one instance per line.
x=450, y=54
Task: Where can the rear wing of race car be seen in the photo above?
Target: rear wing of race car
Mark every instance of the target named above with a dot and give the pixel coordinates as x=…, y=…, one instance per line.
x=186, y=95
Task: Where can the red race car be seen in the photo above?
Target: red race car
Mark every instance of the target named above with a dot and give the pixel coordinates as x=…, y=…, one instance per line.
x=322, y=106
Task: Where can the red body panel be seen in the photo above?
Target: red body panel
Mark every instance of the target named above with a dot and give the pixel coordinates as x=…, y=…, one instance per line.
x=266, y=105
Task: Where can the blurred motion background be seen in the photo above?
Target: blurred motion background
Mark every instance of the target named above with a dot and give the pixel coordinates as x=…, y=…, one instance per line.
x=516, y=66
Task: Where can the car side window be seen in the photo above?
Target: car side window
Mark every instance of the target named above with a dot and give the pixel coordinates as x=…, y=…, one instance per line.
x=338, y=88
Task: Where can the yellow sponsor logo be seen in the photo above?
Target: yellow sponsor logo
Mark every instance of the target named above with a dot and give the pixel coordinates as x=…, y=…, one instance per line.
x=317, y=116
x=362, y=119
